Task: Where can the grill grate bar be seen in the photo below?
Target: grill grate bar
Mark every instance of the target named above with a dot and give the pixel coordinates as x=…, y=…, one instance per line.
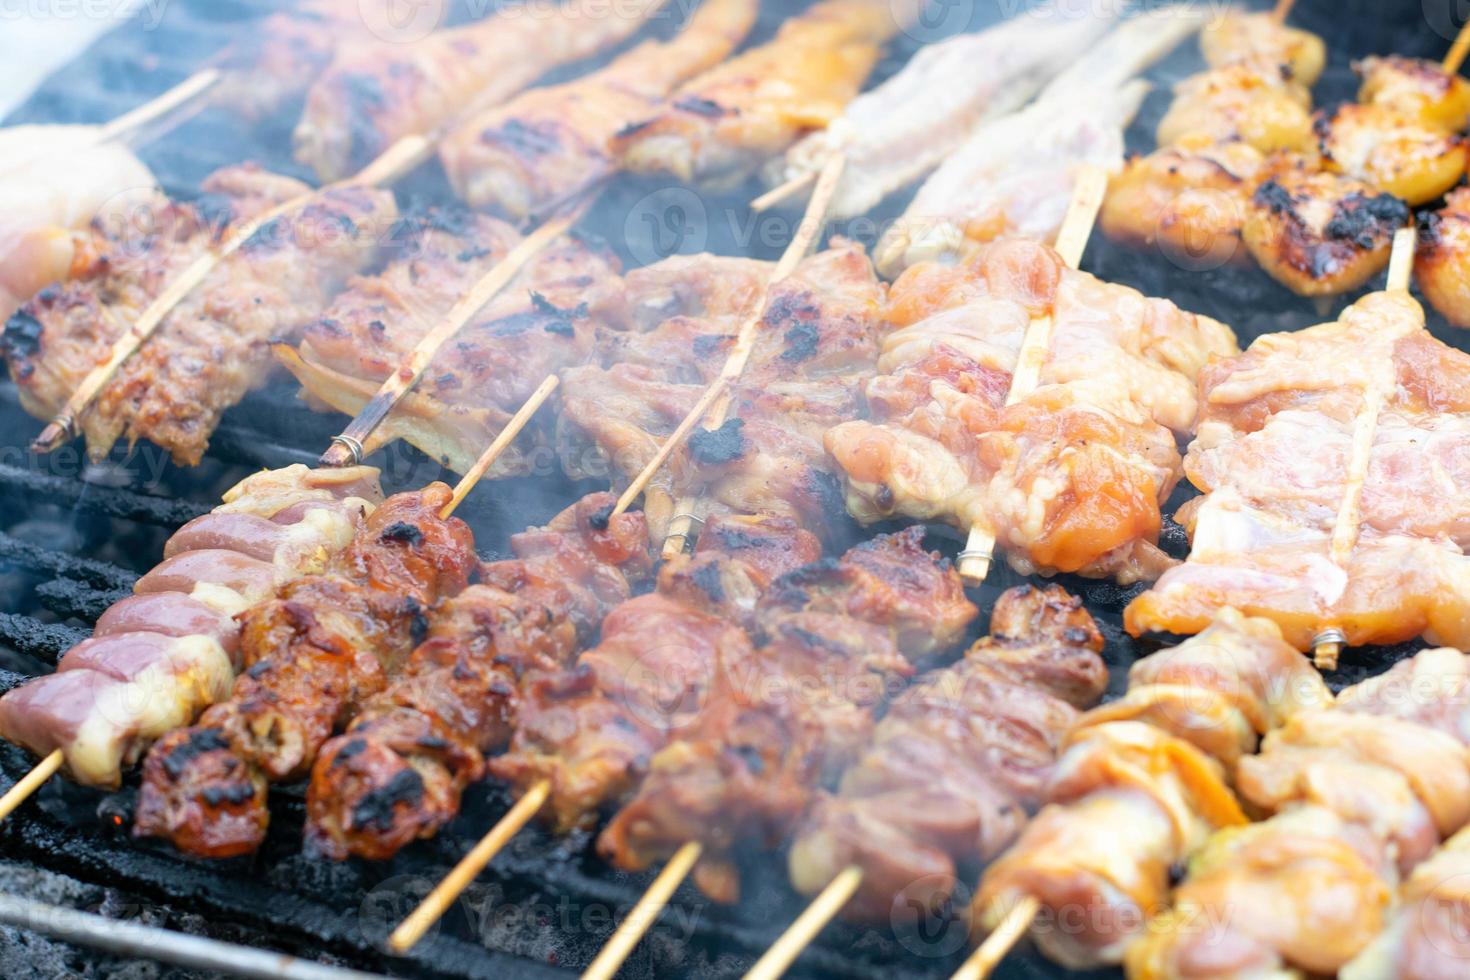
x=91, y=498
x=44, y=641
x=100, y=574
x=70, y=599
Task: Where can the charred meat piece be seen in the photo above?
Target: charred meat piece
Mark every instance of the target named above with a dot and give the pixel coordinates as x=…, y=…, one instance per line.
x=312, y=656
x=789, y=718
x=397, y=773
x=158, y=658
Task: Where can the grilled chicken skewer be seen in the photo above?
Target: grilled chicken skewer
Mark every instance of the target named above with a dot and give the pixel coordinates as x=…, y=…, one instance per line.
x=1147, y=774
x=991, y=411
x=901, y=130
x=1366, y=417
x=314, y=654
x=516, y=308
x=378, y=92
x=62, y=183
x=1356, y=797
x=1016, y=175
x=549, y=145
x=722, y=125
x=280, y=59
x=159, y=657
x=571, y=787
x=213, y=346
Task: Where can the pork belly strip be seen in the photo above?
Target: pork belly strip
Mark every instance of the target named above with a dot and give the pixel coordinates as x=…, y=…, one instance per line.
x=838, y=637
x=721, y=125
x=548, y=144
x=1069, y=478
x=158, y=658
x=1276, y=430
x=311, y=655
x=397, y=773
x=378, y=91
x=542, y=322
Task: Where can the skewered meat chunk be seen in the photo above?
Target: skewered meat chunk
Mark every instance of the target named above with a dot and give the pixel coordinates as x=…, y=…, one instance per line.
x=1015, y=177
x=839, y=635
x=312, y=655
x=1139, y=787
x=397, y=773
x=1393, y=149
x=1255, y=103
x=1425, y=937
x=279, y=60
x=1071, y=477
x=958, y=761
x=1360, y=793
x=1237, y=36
x=549, y=144
x=1190, y=200
x=814, y=345
x=62, y=189
x=544, y=321
x=1276, y=437
x=591, y=729
x=1420, y=87
x=721, y=125
x=378, y=91
x=901, y=130
x=1320, y=233
x=1442, y=263
x=158, y=658
x=58, y=337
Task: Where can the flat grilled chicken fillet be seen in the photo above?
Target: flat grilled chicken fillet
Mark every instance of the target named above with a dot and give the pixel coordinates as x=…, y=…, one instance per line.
x=379, y=91
x=547, y=144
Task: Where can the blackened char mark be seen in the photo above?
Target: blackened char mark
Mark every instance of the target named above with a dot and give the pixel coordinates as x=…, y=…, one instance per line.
x=527, y=142
x=374, y=811
x=200, y=742
x=711, y=447
x=708, y=108
x=22, y=339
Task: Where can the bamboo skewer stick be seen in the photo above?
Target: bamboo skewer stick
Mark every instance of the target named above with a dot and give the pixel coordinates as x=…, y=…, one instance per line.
x=1328, y=644
x=644, y=914
x=1282, y=10
x=806, y=236
x=48, y=766
x=432, y=908
x=1087, y=197
x=1455, y=57
x=782, y=192
x=813, y=919
x=399, y=159
x=999, y=943
x=178, y=96
x=525, y=809
x=347, y=448
x=30, y=782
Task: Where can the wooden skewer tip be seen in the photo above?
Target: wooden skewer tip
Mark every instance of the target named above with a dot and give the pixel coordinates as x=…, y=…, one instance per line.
x=813, y=919
x=1001, y=941
x=783, y=192
x=502, y=441
x=643, y=915
x=433, y=907
x=30, y=782
x=1282, y=10
x=1455, y=57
